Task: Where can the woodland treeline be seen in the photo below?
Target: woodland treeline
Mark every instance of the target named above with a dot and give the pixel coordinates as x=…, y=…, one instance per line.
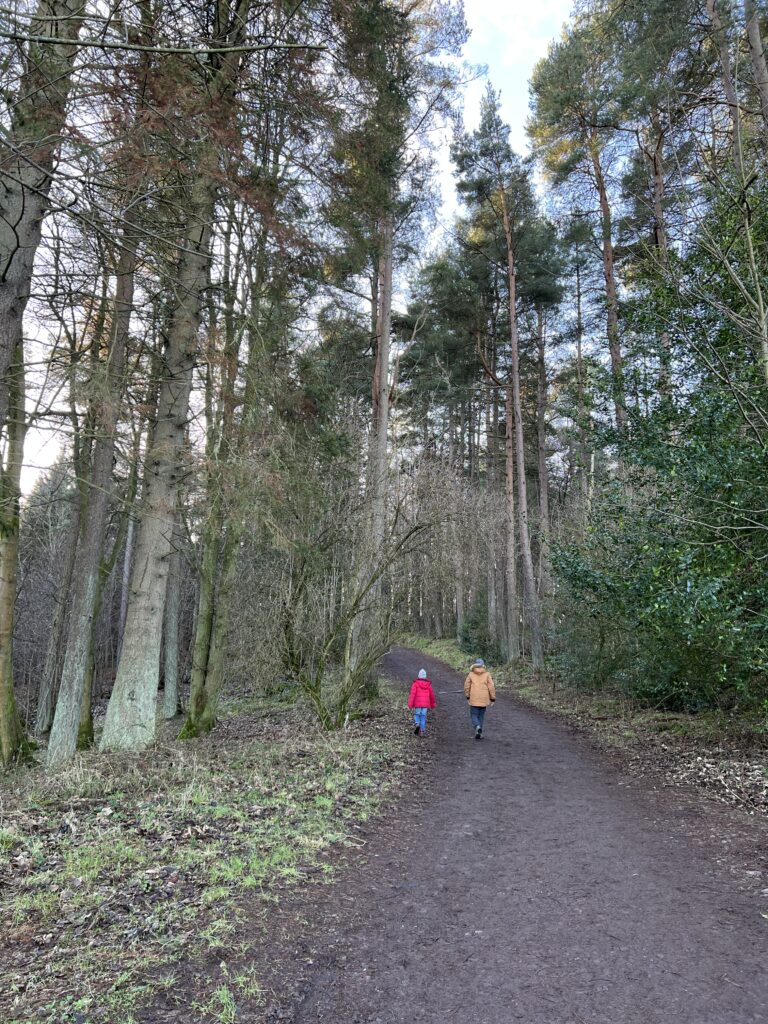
x=291, y=425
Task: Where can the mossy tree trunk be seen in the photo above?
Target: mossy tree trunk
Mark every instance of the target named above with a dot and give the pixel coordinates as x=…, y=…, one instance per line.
x=12, y=739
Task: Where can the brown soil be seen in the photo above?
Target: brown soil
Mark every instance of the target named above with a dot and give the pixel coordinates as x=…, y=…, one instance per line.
x=527, y=879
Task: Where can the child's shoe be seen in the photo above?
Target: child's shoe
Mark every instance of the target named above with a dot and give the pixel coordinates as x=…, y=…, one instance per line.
x=417, y=731
x=478, y=732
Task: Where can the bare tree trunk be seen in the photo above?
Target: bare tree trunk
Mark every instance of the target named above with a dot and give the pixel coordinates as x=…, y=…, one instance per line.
x=26, y=168
x=171, y=629
x=12, y=740
x=510, y=562
x=459, y=570
x=207, y=683
x=126, y=581
x=529, y=579
x=130, y=721
x=206, y=611
x=612, y=304
x=660, y=242
x=471, y=440
x=378, y=474
x=67, y=722
x=131, y=715
x=541, y=446
x=46, y=699
x=581, y=404
x=85, y=727
x=726, y=77
x=757, y=56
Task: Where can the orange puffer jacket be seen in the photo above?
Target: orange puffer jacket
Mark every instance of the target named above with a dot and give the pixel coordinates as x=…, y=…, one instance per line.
x=478, y=687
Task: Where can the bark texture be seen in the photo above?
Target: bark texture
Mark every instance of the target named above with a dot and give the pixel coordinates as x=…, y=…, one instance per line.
x=757, y=56
x=70, y=719
x=378, y=474
x=12, y=740
x=512, y=619
x=541, y=449
x=611, y=296
x=526, y=557
x=171, y=629
x=130, y=721
x=726, y=77
x=131, y=715
x=27, y=158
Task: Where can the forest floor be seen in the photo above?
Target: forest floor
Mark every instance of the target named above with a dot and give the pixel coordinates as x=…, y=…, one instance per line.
x=544, y=874
x=128, y=881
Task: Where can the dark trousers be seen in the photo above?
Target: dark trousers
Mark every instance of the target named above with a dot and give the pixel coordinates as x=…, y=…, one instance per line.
x=477, y=715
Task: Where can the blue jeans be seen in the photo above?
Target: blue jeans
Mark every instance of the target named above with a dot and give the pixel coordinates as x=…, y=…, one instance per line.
x=420, y=718
x=477, y=715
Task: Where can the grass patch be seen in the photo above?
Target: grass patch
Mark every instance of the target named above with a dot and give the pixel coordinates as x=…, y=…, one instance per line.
x=446, y=650
x=113, y=871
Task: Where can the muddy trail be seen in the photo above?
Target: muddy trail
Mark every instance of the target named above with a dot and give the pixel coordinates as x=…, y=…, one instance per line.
x=524, y=878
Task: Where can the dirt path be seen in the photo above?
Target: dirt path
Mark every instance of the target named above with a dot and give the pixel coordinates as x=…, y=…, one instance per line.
x=528, y=882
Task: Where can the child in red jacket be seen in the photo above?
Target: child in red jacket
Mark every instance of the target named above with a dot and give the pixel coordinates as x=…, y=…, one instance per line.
x=421, y=699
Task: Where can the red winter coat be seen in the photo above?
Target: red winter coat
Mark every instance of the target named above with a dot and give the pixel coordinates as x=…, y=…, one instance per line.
x=422, y=695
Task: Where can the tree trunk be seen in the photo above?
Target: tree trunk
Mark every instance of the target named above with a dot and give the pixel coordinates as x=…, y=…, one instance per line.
x=541, y=446
x=726, y=77
x=207, y=684
x=130, y=722
x=12, y=740
x=131, y=715
x=378, y=470
x=126, y=582
x=612, y=304
x=49, y=682
x=581, y=404
x=93, y=519
x=510, y=562
x=491, y=609
x=206, y=609
x=171, y=629
x=459, y=570
x=529, y=580
x=26, y=168
x=757, y=56
x=85, y=727
x=660, y=243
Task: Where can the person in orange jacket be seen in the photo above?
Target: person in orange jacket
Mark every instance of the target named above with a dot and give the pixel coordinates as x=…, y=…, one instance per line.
x=421, y=698
x=480, y=692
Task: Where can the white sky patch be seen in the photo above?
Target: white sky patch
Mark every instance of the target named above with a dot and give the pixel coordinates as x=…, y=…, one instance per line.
x=510, y=39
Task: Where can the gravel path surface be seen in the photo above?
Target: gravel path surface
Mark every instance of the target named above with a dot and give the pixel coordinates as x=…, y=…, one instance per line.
x=527, y=881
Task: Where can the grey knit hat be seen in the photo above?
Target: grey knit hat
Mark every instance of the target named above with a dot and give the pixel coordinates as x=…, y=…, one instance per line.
x=422, y=673
x=480, y=662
